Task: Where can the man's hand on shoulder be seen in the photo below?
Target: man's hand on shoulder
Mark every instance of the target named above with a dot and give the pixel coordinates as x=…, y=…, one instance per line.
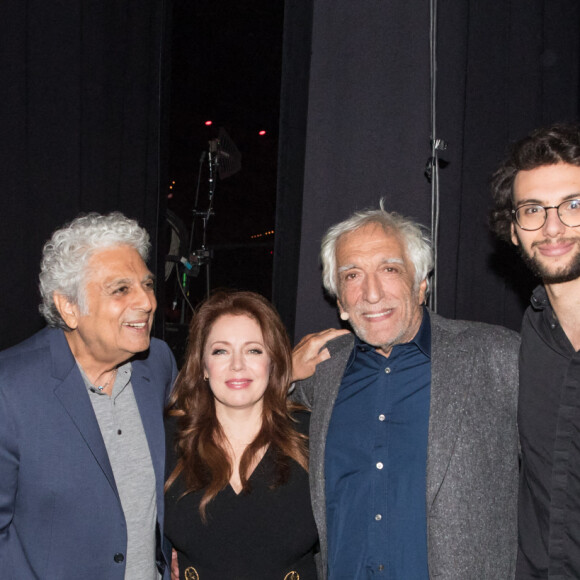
x=310, y=351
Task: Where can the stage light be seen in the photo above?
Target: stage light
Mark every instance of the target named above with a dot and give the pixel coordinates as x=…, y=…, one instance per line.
x=208, y=123
x=261, y=133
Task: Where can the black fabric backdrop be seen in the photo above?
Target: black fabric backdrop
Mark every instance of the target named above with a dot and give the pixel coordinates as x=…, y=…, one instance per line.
x=360, y=115
x=82, y=93
x=81, y=96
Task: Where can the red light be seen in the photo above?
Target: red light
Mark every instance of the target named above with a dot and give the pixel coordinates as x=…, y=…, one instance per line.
x=208, y=123
x=262, y=132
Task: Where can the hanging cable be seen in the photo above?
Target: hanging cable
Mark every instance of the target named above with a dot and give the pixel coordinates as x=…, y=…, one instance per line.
x=437, y=145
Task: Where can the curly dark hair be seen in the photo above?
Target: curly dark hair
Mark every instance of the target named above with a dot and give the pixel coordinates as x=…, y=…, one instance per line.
x=559, y=143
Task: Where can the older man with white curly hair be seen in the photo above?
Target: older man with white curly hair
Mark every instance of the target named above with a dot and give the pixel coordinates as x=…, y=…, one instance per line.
x=413, y=438
x=81, y=415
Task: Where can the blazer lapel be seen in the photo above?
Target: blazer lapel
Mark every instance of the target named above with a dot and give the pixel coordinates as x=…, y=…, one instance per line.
x=150, y=405
x=327, y=390
x=451, y=368
x=327, y=382
x=73, y=396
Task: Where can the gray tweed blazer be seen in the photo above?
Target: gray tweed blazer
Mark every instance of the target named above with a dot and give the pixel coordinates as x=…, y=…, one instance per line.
x=472, y=458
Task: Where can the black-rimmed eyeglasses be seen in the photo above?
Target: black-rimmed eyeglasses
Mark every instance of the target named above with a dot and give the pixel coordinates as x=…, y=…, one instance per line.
x=532, y=216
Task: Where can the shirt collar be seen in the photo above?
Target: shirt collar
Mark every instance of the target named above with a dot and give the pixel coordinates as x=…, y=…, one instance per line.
x=539, y=299
x=122, y=379
x=541, y=303
x=422, y=339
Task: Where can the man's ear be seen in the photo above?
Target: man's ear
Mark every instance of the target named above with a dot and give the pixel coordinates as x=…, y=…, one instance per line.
x=515, y=239
x=342, y=312
x=422, y=291
x=69, y=311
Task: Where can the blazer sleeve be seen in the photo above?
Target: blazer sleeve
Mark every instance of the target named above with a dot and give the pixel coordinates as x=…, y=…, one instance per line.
x=173, y=367
x=303, y=392
x=164, y=358
x=327, y=372
x=9, y=462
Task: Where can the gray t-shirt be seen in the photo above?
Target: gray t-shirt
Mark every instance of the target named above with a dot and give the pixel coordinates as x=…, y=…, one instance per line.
x=122, y=430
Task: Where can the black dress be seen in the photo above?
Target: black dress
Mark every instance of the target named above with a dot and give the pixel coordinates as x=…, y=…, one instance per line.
x=267, y=534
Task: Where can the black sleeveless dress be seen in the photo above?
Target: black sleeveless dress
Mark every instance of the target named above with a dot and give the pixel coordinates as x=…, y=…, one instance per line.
x=267, y=534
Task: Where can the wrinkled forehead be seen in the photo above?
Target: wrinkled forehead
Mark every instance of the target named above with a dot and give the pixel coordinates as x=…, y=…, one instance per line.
x=121, y=261
x=373, y=239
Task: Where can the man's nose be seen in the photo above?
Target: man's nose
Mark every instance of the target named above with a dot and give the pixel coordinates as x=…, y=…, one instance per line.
x=553, y=226
x=145, y=299
x=372, y=289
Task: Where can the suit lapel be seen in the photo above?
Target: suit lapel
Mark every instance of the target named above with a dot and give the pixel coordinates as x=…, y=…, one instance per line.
x=149, y=402
x=327, y=391
x=451, y=370
x=326, y=383
x=72, y=394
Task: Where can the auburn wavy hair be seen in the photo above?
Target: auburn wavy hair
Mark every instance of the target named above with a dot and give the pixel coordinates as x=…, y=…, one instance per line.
x=202, y=460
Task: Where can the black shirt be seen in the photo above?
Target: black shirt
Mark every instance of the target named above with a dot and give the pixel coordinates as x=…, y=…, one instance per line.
x=549, y=423
x=262, y=535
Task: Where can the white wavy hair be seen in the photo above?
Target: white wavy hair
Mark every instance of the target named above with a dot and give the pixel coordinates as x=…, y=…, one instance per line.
x=66, y=255
x=414, y=236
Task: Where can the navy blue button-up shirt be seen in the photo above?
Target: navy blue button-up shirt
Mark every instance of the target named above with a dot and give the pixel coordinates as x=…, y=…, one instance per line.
x=376, y=456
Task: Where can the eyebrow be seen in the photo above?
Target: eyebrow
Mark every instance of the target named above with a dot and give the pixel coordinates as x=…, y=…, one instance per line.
x=385, y=261
x=129, y=281
x=533, y=201
x=216, y=342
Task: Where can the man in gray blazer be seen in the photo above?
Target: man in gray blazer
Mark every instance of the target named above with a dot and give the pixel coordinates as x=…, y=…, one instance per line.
x=413, y=437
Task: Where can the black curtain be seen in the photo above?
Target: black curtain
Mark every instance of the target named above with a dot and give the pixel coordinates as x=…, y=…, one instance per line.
x=504, y=67
x=291, y=155
x=82, y=96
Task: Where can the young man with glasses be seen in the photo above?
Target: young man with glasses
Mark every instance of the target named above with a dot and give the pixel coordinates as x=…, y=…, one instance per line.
x=537, y=207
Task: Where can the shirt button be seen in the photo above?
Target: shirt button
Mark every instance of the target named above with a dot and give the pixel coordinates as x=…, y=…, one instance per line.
x=118, y=558
x=381, y=417
x=381, y=567
x=388, y=370
x=378, y=517
x=379, y=465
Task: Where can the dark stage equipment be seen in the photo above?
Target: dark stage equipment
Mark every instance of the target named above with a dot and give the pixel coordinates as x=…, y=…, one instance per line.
x=186, y=260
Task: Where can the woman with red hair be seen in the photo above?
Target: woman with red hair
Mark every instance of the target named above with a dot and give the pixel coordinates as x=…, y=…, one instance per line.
x=237, y=496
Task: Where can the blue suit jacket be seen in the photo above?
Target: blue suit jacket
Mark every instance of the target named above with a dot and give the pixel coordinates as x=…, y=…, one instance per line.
x=60, y=513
